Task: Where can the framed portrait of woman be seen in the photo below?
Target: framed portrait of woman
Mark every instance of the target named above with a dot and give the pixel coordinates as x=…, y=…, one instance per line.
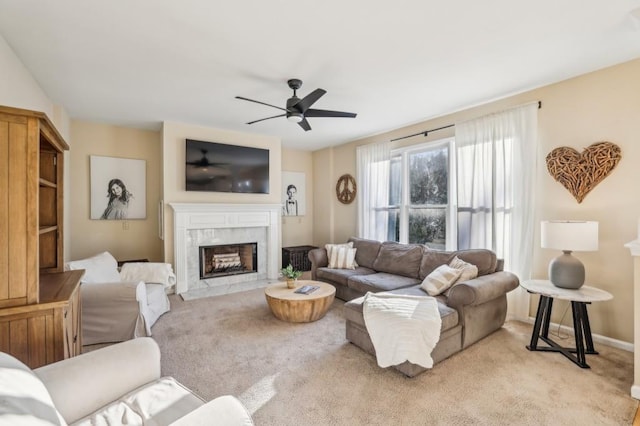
x=118, y=188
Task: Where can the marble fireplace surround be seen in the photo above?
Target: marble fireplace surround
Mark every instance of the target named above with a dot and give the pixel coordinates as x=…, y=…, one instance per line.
x=196, y=224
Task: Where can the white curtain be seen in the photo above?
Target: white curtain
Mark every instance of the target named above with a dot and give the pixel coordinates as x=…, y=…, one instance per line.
x=496, y=166
x=372, y=163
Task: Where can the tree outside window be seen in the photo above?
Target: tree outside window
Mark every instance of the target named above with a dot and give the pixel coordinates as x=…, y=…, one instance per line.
x=419, y=196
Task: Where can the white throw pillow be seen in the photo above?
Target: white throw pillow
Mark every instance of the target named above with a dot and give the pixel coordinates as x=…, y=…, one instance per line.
x=468, y=270
x=331, y=247
x=342, y=258
x=440, y=279
x=24, y=400
x=101, y=268
x=149, y=272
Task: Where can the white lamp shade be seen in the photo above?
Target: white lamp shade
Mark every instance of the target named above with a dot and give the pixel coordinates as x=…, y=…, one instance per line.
x=569, y=235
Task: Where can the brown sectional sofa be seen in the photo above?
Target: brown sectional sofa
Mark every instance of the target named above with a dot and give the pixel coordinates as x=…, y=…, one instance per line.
x=470, y=310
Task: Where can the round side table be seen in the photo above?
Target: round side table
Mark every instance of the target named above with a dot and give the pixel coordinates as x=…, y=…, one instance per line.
x=579, y=299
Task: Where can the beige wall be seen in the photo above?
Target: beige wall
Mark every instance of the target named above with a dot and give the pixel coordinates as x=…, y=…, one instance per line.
x=603, y=105
x=173, y=152
x=338, y=221
x=131, y=239
x=19, y=89
x=298, y=230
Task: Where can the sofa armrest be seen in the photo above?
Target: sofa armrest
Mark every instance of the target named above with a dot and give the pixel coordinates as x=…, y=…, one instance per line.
x=82, y=384
x=318, y=258
x=114, y=292
x=113, y=312
x=224, y=411
x=481, y=289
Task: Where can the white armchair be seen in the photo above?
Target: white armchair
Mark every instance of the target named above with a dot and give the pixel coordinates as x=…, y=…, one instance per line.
x=119, y=384
x=121, y=305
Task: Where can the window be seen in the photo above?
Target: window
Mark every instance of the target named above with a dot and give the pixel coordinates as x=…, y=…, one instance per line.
x=420, y=196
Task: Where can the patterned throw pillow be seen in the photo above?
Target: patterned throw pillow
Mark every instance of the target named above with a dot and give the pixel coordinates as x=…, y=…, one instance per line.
x=331, y=248
x=342, y=258
x=468, y=270
x=440, y=279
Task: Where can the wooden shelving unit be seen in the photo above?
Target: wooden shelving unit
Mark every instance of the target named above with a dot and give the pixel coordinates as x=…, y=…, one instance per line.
x=39, y=303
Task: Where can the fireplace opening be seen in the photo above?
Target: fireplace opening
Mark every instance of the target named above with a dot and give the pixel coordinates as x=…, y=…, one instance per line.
x=228, y=259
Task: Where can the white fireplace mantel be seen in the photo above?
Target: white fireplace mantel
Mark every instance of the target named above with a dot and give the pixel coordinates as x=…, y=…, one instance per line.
x=190, y=216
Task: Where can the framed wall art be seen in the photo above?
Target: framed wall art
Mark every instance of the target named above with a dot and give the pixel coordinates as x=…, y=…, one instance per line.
x=293, y=194
x=118, y=188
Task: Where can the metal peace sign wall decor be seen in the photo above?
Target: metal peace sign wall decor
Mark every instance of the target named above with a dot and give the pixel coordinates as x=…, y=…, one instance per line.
x=346, y=189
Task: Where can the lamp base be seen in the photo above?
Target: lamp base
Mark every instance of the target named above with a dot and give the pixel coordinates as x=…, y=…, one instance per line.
x=566, y=271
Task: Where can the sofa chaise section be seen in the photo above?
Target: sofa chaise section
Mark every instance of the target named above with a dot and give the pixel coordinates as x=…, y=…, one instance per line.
x=470, y=310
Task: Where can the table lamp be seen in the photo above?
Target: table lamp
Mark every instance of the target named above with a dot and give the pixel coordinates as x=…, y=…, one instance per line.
x=566, y=271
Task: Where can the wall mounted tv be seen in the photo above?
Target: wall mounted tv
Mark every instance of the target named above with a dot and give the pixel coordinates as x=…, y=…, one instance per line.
x=219, y=167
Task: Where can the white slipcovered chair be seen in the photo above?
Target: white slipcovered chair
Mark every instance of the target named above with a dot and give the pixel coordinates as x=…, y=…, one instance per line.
x=121, y=305
x=117, y=385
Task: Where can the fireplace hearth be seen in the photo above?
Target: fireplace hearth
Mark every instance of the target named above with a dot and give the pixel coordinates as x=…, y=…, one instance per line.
x=228, y=259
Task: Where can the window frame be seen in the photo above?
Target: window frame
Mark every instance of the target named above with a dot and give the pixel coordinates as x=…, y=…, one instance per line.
x=405, y=206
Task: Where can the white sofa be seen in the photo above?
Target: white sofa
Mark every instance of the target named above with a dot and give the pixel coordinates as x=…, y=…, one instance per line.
x=118, y=384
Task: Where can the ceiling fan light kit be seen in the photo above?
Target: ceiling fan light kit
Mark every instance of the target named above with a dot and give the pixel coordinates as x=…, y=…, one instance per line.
x=295, y=117
x=297, y=110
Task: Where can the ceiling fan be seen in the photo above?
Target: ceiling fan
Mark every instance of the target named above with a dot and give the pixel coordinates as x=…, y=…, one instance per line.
x=298, y=110
x=204, y=161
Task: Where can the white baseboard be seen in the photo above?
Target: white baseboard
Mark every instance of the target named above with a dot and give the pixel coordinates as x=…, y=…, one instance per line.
x=635, y=391
x=614, y=343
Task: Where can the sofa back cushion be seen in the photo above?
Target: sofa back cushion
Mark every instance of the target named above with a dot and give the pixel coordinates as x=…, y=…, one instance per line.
x=24, y=400
x=485, y=260
x=431, y=259
x=367, y=251
x=399, y=259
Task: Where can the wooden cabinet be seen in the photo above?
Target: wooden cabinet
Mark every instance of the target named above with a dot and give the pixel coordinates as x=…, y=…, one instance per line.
x=39, y=303
x=48, y=331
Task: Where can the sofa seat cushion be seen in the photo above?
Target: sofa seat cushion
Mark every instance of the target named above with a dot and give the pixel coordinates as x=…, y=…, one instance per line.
x=340, y=276
x=449, y=316
x=380, y=282
x=160, y=402
x=399, y=259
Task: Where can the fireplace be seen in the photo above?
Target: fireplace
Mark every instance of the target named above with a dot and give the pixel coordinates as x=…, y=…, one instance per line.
x=228, y=259
x=205, y=224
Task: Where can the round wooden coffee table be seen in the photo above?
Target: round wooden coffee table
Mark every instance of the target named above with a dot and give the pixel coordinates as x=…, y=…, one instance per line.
x=294, y=307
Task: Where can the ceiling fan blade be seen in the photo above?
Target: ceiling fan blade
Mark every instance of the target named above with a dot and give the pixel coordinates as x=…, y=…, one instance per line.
x=327, y=113
x=309, y=100
x=268, y=118
x=258, y=102
x=305, y=125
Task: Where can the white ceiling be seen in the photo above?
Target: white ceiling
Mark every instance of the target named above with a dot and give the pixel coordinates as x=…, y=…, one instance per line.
x=141, y=62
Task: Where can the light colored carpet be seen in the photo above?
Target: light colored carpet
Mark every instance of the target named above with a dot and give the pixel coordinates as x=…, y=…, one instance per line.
x=308, y=374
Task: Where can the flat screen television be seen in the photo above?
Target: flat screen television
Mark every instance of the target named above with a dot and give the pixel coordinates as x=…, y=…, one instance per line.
x=219, y=167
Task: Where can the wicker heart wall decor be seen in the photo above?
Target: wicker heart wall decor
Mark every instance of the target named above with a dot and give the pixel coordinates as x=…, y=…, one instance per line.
x=581, y=172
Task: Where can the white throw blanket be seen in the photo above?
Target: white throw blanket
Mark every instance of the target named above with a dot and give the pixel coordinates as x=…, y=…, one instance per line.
x=402, y=328
x=149, y=272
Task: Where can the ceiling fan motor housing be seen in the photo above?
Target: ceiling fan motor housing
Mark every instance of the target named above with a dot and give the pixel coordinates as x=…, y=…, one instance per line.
x=293, y=114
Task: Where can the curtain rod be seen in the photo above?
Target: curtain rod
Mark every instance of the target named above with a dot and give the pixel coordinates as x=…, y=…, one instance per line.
x=426, y=132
